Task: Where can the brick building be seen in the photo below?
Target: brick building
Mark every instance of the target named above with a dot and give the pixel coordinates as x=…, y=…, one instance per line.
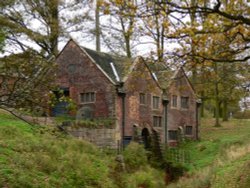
x=104, y=86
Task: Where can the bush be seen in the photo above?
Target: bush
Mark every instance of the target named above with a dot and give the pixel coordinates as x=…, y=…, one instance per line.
x=144, y=178
x=135, y=156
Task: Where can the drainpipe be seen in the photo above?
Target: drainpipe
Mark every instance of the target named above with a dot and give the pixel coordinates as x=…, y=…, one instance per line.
x=121, y=93
x=198, y=104
x=165, y=102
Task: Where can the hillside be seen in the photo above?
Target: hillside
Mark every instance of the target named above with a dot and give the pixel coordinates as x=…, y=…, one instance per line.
x=220, y=159
x=33, y=156
x=41, y=157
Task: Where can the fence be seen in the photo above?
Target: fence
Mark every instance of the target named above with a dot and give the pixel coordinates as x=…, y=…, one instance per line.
x=176, y=155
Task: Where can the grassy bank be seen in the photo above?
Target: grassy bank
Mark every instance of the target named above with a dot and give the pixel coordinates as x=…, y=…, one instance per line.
x=220, y=159
x=35, y=156
x=32, y=156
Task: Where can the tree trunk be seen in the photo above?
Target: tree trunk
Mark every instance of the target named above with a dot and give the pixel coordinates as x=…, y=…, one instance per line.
x=217, y=101
x=128, y=50
x=54, y=26
x=97, y=26
x=202, y=107
x=225, y=111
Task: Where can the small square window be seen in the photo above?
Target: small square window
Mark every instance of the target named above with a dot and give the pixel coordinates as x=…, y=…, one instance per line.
x=156, y=102
x=157, y=121
x=189, y=130
x=142, y=98
x=184, y=102
x=87, y=97
x=172, y=134
x=174, y=101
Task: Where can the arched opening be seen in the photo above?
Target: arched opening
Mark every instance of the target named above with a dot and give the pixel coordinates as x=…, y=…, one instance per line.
x=145, y=138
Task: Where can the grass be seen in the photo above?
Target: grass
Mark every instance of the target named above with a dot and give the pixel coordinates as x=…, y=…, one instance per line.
x=35, y=156
x=218, y=158
x=42, y=157
x=39, y=156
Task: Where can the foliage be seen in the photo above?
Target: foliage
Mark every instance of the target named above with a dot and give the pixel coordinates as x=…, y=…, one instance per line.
x=95, y=123
x=42, y=157
x=2, y=38
x=57, y=96
x=146, y=177
x=121, y=37
x=40, y=22
x=25, y=80
x=135, y=156
x=215, y=159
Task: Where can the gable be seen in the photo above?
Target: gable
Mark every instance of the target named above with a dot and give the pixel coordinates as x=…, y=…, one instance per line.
x=141, y=76
x=101, y=60
x=181, y=82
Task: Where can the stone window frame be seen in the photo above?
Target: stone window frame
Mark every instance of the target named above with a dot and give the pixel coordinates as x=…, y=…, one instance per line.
x=154, y=106
x=87, y=102
x=185, y=102
x=144, y=97
x=157, y=121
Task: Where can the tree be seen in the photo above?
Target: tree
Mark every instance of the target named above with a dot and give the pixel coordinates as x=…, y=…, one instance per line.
x=121, y=35
x=25, y=82
x=229, y=17
x=155, y=25
x=97, y=26
x=40, y=23
x=34, y=27
x=2, y=39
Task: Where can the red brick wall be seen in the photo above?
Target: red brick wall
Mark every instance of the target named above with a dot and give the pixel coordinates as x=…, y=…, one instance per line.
x=79, y=74
x=141, y=81
x=177, y=116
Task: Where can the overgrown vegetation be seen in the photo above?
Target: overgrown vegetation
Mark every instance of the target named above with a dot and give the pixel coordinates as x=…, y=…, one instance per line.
x=108, y=123
x=217, y=159
x=42, y=157
x=138, y=171
x=33, y=156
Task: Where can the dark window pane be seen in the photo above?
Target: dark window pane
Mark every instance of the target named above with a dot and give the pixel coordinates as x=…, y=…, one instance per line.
x=172, y=134
x=189, y=130
x=157, y=121
x=87, y=97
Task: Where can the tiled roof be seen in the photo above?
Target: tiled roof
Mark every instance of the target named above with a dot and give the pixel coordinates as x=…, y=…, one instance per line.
x=164, y=74
x=104, y=60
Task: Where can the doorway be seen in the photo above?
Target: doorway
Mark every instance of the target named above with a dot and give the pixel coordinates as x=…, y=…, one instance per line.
x=145, y=138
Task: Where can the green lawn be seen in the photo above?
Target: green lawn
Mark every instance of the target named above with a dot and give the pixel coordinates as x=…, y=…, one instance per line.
x=220, y=158
x=214, y=140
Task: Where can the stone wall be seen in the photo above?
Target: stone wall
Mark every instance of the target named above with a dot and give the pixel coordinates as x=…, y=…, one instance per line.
x=101, y=137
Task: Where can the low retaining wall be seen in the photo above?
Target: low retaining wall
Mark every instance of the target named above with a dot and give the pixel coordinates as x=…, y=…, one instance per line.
x=101, y=137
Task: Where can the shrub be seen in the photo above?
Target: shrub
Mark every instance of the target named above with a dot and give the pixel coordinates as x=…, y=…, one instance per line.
x=145, y=178
x=135, y=156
